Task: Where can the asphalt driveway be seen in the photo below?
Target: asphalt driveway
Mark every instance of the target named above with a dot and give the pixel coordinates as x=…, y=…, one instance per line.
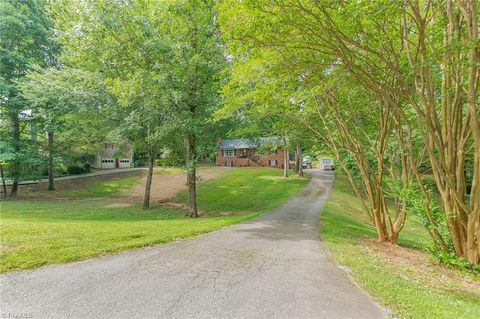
x=271, y=267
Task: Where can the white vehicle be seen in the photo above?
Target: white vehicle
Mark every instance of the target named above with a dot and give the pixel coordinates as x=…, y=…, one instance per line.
x=307, y=162
x=326, y=164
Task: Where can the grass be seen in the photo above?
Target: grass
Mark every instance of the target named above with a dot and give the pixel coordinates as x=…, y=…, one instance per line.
x=168, y=170
x=246, y=190
x=99, y=188
x=409, y=291
x=36, y=233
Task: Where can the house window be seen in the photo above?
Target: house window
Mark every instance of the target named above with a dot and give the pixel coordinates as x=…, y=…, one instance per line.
x=242, y=152
x=107, y=145
x=291, y=155
x=272, y=152
x=272, y=162
x=229, y=163
x=228, y=152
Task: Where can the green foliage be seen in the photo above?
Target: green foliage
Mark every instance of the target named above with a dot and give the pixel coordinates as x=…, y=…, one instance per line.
x=450, y=259
x=31, y=160
x=412, y=199
x=70, y=102
x=169, y=157
x=158, y=58
x=76, y=169
x=25, y=41
x=7, y=152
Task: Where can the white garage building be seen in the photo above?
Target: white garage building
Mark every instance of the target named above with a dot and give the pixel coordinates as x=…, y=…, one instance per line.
x=110, y=155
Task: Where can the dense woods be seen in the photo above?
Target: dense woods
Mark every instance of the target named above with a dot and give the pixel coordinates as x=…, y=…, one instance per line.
x=389, y=88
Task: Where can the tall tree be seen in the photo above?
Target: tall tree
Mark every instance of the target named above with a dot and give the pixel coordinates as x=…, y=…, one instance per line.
x=63, y=101
x=159, y=58
x=196, y=76
x=24, y=40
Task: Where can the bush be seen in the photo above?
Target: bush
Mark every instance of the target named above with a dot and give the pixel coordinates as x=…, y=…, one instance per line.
x=168, y=162
x=452, y=260
x=61, y=169
x=74, y=169
x=87, y=167
x=139, y=163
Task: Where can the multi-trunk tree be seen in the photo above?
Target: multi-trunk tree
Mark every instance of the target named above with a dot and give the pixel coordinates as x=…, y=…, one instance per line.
x=419, y=62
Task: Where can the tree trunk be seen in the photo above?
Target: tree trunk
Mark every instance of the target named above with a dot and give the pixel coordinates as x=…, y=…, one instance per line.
x=191, y=174
x=473, y=223
x=148, y=184
x=4, y=185
x=285, y=162
x=15, y=123
x=298, y=160
x=51, y=173
x=33, y=128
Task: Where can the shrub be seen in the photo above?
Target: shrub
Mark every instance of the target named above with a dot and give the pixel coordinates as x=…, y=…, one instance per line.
x=87, y=167
x=61, y=169
x=167, y=162
x=74, y=169
x=452, y=260
x=139, y=163
x=412, y=198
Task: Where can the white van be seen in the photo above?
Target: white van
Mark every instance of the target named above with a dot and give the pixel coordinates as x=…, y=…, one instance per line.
x=326, y=164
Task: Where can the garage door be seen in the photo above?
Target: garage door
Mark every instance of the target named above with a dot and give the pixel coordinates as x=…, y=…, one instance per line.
x=108, y=163
x=124, y=163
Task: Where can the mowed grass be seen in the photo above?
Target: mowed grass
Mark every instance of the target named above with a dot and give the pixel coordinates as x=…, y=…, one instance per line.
x=168, y=170
x=410, y=293
x=36, y=233
x=246, y=190
x=96, y=187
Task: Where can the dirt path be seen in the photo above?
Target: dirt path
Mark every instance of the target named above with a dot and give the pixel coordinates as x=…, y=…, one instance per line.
x=165, y=186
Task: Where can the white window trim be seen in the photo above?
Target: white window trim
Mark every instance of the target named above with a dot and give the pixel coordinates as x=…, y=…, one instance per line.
x=224, y=152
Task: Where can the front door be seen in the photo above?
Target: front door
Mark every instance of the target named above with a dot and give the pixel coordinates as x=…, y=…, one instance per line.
x=117, y=163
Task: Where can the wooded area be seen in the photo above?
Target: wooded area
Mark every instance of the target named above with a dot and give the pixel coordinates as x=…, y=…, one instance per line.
x=389, y=88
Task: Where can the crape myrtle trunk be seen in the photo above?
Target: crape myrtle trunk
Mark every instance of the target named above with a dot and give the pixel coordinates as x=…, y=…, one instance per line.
x=298, y=160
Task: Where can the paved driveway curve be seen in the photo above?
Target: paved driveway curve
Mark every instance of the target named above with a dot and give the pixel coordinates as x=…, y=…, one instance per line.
x=271, y=267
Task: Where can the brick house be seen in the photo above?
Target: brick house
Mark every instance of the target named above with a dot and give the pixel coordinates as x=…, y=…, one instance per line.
x=264, y=152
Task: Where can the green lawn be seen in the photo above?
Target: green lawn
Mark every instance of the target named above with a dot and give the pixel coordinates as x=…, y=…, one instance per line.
x=246, y=190
x=408, y=292
x=168, y=170
x=35, y=233
x=97, y=187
